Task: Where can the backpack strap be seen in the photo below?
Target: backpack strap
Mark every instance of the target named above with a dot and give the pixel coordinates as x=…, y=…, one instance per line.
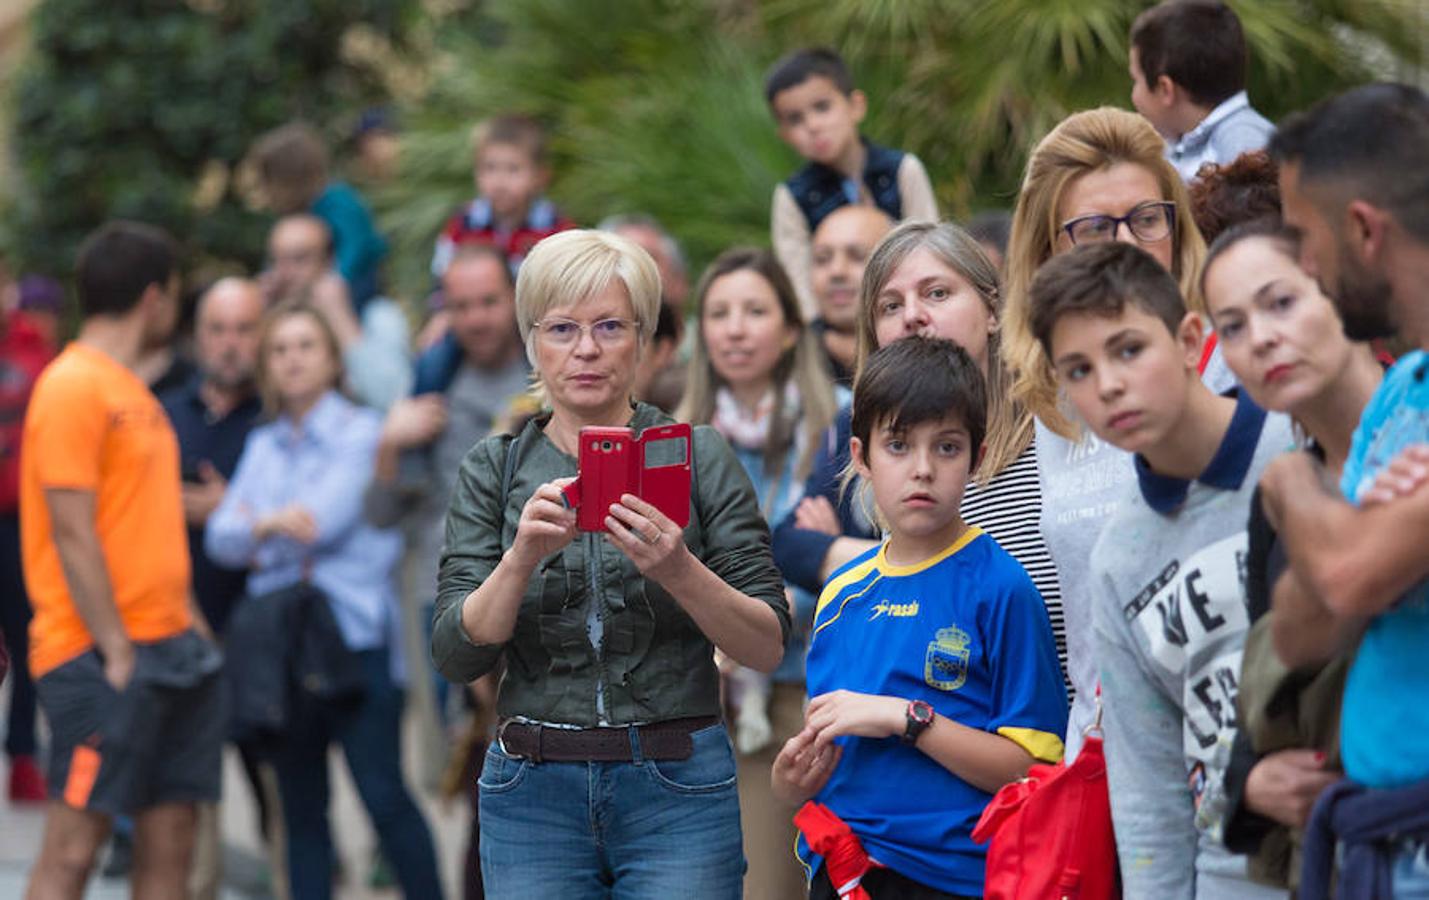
x=508, y=474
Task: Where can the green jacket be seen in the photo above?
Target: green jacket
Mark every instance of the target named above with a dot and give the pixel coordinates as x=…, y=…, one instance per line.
x=653, y=663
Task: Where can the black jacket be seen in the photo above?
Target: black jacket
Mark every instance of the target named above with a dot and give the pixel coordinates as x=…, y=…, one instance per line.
x=280, y=643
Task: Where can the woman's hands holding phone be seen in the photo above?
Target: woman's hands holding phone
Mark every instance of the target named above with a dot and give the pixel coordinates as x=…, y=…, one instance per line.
x=547, y=525
x=649, y=538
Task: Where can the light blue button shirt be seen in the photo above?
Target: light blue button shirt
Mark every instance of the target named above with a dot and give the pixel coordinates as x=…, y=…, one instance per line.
x=1232, y=128
x=324, y=464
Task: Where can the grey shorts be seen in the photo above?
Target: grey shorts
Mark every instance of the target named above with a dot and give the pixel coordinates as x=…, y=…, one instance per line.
x=160, y=740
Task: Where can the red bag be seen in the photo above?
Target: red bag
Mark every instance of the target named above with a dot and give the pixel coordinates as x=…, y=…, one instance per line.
x=1051, y=832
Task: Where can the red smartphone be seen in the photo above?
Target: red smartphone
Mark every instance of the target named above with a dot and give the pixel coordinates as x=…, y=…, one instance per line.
x=654, y=466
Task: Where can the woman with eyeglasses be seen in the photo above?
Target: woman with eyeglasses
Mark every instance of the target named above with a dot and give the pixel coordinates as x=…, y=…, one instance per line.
x=1100, y=175
x=612, y=775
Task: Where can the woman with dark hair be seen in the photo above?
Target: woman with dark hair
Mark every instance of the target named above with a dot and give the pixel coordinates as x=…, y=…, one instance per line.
x=1285, y=342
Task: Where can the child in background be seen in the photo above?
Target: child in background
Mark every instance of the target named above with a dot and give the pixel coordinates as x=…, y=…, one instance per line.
x=1168, y=571
x=294, y=168
x=818, y=112
x=509, y=213
x=1188, y=61
x=932, y=669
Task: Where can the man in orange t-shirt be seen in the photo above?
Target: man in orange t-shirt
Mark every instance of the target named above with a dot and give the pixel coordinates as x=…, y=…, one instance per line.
x=128, y=684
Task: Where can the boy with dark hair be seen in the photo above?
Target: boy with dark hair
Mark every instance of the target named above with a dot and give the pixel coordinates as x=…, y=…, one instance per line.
x=902, y=748
x=509, y=212
x=123, y=666
x=1188, y=62
x=1354, y=185
x=818, y=111
x=1170, y=610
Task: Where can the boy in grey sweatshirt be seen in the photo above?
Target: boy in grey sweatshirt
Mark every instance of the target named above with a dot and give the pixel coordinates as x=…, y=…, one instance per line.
x=1168, y=572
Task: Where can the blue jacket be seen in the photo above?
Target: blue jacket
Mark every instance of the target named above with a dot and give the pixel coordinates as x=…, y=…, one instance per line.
x=798, y=553
x=1371, y=824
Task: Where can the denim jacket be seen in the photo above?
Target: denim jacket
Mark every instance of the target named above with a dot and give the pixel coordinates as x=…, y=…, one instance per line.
x=595, y=642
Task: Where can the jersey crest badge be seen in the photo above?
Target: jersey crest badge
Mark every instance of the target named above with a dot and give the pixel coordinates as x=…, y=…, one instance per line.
x=946, y=665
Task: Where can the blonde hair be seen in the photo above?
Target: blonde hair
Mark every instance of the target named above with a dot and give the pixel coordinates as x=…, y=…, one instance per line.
x=272, y=404
x=571, y=266
x=801, y=364
x=1085, y=142
x=1009, y=425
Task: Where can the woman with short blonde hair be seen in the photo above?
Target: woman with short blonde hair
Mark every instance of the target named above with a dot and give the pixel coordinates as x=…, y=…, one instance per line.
x=609, y=706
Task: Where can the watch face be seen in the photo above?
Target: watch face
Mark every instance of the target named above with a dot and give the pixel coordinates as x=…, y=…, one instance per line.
x=922, y=712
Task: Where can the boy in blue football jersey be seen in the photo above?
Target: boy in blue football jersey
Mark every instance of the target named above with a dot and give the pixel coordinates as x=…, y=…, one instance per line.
x=932, y=666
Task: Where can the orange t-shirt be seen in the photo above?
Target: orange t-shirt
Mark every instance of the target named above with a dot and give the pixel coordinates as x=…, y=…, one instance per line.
x=92, y=425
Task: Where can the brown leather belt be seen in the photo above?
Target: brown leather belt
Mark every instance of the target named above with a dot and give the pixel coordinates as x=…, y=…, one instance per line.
x=666, y=740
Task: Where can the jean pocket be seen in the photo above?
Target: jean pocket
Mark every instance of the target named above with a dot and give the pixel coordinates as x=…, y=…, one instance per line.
x=709, y=769
x=500, y=772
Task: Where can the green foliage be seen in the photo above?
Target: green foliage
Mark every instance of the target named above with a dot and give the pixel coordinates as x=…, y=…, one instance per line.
x=143, y=110
x=657, y=106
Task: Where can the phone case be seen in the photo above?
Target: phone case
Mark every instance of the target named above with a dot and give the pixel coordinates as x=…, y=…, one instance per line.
x=654, y=466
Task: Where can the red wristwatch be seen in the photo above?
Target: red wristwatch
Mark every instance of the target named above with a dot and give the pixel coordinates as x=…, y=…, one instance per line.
x=920, y=716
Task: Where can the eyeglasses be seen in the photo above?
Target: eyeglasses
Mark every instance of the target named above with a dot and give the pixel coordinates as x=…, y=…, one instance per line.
x=568, y=332
x=1149, y=222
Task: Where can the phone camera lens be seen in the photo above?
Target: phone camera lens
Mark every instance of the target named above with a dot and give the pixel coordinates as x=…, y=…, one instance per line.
x=605, y=445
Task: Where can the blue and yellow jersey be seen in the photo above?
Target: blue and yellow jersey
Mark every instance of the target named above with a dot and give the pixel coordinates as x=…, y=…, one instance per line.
x=965, y=631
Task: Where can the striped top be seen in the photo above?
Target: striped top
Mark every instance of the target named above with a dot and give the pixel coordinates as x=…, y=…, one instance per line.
x=1009, y=508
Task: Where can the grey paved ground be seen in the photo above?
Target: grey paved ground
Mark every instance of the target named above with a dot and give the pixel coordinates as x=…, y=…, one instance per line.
x=245, y=871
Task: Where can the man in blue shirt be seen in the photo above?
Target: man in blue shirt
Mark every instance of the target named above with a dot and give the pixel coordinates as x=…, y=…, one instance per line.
x=212, y=414
x=1360, y=205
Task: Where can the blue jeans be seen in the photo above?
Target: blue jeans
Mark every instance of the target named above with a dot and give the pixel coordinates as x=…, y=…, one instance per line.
x=1411, y=871
x=370, y=734
x=625, y=831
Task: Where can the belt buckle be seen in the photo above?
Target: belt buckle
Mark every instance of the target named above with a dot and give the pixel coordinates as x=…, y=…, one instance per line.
x=535, y=755
x=501, y=740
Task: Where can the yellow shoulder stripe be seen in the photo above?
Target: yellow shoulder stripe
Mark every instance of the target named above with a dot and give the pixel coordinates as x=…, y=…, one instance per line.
x=839, y=582
x=1043, y=745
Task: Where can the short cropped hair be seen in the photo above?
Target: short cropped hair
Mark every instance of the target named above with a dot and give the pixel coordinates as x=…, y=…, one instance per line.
x=673, y=251
x=1102, y=280
x=1372, y=140
x=799, y=66
x=566, y=268
x=1227, y=194
x=470, y=252
x=293, y=163
x=1198, y=44
x=117, y=263
x=916, y=380
x=522, y=132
